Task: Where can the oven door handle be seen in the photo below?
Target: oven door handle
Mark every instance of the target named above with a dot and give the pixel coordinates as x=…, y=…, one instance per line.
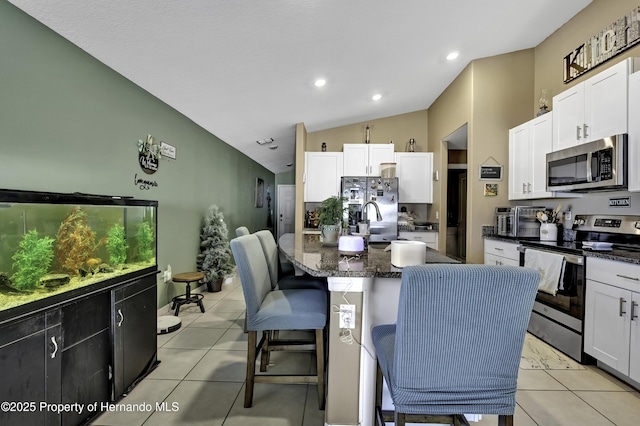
x=569, y=258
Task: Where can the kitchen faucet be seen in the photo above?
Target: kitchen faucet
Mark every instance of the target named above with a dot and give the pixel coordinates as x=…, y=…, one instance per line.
x=378, y=215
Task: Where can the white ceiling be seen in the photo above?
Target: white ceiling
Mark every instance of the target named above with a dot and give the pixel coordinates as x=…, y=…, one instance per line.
x=244, y=70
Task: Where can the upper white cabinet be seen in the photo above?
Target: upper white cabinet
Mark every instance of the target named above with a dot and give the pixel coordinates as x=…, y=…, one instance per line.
x=364, y=159
x=414, y=170
x=322, y=173
x=529, y=144
x=634, y=132
x=593, y=109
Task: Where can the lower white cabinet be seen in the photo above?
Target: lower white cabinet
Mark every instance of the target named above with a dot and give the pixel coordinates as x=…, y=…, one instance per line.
x=501, y=253
x=430, y=238
x=612, y=326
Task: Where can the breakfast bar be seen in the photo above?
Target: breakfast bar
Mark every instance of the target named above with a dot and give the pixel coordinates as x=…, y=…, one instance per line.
x=371, y=283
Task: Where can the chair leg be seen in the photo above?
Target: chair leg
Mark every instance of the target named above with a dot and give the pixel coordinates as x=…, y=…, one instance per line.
x=377, y=407
x=505, y=420
x=320, y=367
x=264, y=356
x=399, y=419
x=251, y=369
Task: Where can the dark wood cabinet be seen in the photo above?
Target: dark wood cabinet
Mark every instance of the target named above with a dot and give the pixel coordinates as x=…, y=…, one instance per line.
x=134, y=335
x=91, y=349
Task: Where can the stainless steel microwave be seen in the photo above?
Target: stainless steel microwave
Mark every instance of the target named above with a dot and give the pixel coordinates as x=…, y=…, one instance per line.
x=592, y=166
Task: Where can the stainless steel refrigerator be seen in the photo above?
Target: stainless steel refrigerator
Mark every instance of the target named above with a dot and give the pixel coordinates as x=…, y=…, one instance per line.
x=359, y=191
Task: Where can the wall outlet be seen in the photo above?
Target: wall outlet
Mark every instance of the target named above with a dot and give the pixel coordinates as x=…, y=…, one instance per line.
x=347, y=316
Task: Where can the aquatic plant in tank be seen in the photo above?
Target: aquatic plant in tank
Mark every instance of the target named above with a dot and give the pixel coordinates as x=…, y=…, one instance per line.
x=117, y=244
x=145, y=239
x=76, y=243
x=31, y=261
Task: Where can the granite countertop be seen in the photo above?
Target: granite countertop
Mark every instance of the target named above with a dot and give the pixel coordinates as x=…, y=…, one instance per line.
x=619, y=255
x=307, y=253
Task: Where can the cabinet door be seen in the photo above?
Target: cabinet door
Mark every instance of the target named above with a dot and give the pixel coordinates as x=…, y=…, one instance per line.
x=519, y=162
x=322, y=175
x=605, y=99
x=540, y=143
x=30, y=363
x=355, y=160
x=607, y=325
x=634, y=349
x=380, y=153
x=568, y=117
x=634, y=132
x=414, y=170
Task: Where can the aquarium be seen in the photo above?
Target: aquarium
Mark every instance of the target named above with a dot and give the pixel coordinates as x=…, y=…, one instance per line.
x=55, y=246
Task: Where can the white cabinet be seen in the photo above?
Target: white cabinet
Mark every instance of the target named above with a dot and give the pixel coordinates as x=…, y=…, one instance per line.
x=501, y=253
x=414, y=170
x=634, y=133
x=612, y=326
x=529, y=144
x=365, y=159
x=593, y=109
x=430, y=238
x=322, y=173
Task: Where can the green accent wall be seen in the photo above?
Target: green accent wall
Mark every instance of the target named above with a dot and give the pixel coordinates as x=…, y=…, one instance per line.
x=68, y=123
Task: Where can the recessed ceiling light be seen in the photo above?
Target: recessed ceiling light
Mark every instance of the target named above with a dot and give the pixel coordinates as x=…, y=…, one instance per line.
x=273, y=147
x=320, y=82
x=453, y=55
x=376, y=97
x=289, y=164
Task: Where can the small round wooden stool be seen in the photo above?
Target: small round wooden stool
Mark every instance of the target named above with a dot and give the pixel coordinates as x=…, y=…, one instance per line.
x=188, y=278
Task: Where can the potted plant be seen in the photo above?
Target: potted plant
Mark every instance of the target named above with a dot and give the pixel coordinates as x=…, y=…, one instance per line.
x=330, y=218
x=215, y=254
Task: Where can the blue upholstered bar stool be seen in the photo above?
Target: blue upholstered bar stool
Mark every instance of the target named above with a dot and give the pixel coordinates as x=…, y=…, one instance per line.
x=457, y=343
x=269, y=309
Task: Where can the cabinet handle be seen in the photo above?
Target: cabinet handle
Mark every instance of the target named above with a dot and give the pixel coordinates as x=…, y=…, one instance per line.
x=628, y=278
x=578, y=132
x=529, y=187
x=584, y=131
x=55, y=347
x=634, y=305
x=499, y=249
x=524, y=188
x=622, y=312
x=121, y=317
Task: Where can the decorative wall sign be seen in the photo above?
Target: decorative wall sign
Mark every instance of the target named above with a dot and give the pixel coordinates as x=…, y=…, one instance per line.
x=148, y=155
x=490, y=172
x=611, y=41
x=620, y=202
x=144, y=183
x=490, y=189
x=167, y=150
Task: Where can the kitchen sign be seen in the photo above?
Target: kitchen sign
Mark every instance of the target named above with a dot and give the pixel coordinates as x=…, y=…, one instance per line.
x=490, y=173
x=611, y=41
x=620, y=202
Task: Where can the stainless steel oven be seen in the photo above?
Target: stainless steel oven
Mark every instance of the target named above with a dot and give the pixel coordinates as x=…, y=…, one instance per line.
x=558, y=319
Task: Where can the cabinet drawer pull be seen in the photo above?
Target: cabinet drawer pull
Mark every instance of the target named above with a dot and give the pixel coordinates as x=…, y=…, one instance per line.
x=622, y=312
x=584, y=130
x=499, y=249
x=578, y=132
x=524, y=188
x=121, y=317
x=634, y=305
x=529, y=187
x=628, y=277
x=55, y=347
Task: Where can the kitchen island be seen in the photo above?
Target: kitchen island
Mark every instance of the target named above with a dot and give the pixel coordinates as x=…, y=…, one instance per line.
x=370, y=283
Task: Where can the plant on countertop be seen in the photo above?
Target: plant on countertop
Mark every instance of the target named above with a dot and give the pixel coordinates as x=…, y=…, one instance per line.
x=215, y=254
x=31, y=260
x=117, y=244
x=331, y=211
x=144, y=235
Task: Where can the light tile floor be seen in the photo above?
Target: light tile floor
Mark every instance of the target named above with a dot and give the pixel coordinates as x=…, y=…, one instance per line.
x=200, y=382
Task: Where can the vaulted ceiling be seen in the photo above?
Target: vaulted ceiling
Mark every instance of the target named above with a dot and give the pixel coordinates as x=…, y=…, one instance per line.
x=245, y=70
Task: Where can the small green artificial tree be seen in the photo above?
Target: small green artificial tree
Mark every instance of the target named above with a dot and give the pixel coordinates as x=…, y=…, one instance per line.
x=31, y=260
x=144, y=235
x=215, y=254
x=117, y=244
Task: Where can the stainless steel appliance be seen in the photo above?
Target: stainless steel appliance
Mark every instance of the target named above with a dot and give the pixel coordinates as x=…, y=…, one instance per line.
x=592, y=166
x=366, y=197
x=558, y=320
x=518, y=221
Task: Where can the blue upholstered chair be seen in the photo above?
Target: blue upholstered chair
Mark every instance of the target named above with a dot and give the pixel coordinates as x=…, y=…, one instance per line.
x=269, y=309
x=457, y=343
x=270, y=249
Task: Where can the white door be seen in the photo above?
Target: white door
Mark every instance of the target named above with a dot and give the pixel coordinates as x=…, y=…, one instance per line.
x=540, y=143
x=519, y=160
x=380, y=153
x=568, y=118
x=286, y=209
